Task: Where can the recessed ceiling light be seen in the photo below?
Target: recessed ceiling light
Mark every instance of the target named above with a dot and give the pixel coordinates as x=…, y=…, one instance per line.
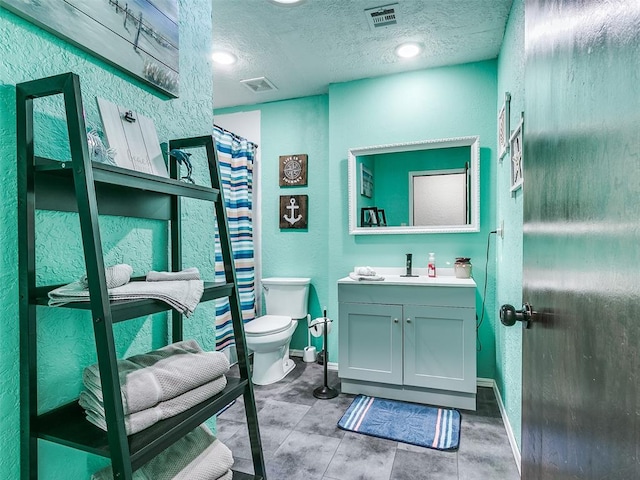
x=287, y=2
x=408, y=50
x=222, y=57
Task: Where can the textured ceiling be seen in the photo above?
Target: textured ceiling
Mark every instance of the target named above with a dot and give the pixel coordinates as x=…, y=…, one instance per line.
x=302, y=49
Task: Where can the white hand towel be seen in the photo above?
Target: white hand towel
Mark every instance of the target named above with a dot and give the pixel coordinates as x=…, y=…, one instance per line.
x=196, y=456
x=367, y=278
x=156, y=376
x=136, y=422
x=186, y=274
x=115, y=276
x=365, y=271
x=183, y=295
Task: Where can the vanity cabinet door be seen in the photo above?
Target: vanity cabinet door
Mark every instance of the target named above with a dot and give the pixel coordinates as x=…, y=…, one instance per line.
x=370, y=342
x=439, y=348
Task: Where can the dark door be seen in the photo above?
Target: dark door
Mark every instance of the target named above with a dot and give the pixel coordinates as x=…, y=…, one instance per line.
x=581, y=372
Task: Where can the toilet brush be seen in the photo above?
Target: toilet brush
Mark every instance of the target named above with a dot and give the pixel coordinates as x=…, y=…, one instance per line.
x=309, y=353
x=324, y=392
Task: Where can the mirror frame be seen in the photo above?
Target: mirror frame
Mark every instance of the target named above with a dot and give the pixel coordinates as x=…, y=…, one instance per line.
x=472, y=141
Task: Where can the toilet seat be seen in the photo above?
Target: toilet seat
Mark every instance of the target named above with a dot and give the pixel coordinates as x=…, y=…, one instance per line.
x=267, y=325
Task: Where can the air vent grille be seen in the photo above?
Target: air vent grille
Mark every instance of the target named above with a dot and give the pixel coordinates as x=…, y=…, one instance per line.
x=384, y=16
x=258, y=85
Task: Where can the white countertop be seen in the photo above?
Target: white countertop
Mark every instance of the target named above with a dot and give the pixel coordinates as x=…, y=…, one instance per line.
x=445, y=277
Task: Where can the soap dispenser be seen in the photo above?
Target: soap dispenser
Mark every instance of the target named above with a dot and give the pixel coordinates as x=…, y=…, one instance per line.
x=431, y=268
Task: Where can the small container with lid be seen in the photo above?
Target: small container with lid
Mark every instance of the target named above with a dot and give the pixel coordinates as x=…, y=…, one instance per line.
x=462, y=267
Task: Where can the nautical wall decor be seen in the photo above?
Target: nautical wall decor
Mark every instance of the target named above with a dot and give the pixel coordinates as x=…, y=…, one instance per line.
x=293, y=211
x=137, y=36
x=293, y=170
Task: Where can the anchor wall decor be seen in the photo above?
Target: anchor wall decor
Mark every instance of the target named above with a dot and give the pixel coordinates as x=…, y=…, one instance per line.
x=293, y=211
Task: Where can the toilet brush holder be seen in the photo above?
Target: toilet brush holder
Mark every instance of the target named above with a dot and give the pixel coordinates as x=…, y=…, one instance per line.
x=309, y=354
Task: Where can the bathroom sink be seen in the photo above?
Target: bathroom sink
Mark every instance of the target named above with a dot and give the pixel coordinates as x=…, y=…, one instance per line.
x=393, y=276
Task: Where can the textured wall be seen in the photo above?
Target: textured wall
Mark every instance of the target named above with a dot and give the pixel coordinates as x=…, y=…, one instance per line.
x=65, y=338
x=509, y=249
x=430, y=104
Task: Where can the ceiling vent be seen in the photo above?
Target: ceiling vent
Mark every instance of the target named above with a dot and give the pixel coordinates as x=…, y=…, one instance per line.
x=385, y=16
x=258, y=85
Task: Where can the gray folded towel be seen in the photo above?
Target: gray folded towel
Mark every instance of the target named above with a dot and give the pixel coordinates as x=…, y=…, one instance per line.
x=115, y=276
x=187, y=274
x=183, y=296
x=138, y=421
x=196, y=456
x=159, y=375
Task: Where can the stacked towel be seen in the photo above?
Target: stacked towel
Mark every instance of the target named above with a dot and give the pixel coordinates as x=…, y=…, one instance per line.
x=183, y=296
x=115, y=276
x=186, y=274
x=365, y=273
x=196, y=456
x=158, y=385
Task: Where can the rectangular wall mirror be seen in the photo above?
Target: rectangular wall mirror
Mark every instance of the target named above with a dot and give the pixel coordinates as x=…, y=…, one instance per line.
x=431, y=186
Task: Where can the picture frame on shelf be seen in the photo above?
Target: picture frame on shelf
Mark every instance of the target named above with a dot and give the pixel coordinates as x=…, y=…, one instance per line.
x=369, y=217
x=366, y=181
x=517, y=156
x=382, y=218
x=504, y=126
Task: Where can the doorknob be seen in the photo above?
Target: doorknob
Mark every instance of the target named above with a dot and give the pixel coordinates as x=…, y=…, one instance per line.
x=509, y=315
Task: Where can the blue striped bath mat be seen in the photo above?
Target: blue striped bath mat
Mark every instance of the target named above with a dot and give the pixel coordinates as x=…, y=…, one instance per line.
x=431, y=427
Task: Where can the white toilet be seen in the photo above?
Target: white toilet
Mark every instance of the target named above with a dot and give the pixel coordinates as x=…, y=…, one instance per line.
x=269, y=336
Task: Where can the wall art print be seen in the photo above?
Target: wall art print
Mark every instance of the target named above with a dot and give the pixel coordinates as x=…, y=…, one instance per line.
x=139, y=37
x=516, y=149
x=293, y=211
x=503, y=126
x=293, y=170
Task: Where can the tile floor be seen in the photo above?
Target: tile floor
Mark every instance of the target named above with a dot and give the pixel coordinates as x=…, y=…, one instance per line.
x=301, y=441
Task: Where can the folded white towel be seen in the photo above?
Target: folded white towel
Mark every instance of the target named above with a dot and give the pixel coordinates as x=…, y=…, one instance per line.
x=138, y=421
x=187, y=274
x=227, y=476
x=196, y=456
x=367, y=278
x=365, y=271
x=150, y=378
x=115, y=276
x=183, y=296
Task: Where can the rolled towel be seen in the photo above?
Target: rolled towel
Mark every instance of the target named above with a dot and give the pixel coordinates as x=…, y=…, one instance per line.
x=183, y=296
x=186, y=274
x=138, y=421
x=365, y=271
x=115, y=276
x=159, y=375
x=196, y=456
x=367, y=278
x=227, y=476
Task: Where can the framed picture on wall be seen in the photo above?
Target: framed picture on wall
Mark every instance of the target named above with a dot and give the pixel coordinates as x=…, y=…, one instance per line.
x=366, y=181
x=293, y=211
x=293, y=170
x=503, y=126
x=516, y=149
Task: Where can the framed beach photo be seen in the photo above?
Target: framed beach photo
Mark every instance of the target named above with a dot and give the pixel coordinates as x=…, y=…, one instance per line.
x=366, y=181
x=516, y=149
x=369, y=217
x=382, y=218
x=503, y=126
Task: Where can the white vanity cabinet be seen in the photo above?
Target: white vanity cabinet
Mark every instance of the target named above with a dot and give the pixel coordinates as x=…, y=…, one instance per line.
x=410, y=339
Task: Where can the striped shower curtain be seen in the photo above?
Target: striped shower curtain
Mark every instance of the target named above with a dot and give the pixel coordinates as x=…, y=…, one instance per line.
x=235, y=158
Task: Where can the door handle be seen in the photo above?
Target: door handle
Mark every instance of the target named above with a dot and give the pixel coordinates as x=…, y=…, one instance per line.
x=395, y=320
x=509, y=315
x=408, y=320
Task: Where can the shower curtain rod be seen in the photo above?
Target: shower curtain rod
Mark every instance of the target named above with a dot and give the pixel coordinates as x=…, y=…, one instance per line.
x=237, y=137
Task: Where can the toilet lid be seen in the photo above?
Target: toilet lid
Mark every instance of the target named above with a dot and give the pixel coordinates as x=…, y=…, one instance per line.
x=267, y=324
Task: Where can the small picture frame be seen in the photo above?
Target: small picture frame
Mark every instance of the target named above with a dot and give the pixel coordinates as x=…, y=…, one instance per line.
x=369, y=217
x=293, y=211
x=503, y=126
x=366, y=181
x=382, y=218
x=516, y=149
x=293, y=170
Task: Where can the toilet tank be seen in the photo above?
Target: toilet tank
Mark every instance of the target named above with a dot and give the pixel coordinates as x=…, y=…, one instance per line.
x=286, y=296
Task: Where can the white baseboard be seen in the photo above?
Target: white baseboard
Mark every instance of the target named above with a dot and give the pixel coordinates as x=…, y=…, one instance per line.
x=507, y=425
x=298, y=353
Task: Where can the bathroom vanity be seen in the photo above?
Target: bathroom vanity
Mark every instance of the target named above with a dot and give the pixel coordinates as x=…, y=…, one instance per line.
x=409, y=338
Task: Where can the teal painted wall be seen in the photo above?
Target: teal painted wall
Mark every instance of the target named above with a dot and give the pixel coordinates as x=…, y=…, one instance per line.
x=430, y=104
x=509, y=249
x=65, y=338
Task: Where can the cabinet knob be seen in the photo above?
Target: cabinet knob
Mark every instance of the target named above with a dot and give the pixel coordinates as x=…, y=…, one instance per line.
x=395, y=320
x=408, y=320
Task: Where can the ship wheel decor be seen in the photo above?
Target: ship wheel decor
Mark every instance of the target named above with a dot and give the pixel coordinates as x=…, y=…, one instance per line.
x=293, y=170
x=293, y=211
